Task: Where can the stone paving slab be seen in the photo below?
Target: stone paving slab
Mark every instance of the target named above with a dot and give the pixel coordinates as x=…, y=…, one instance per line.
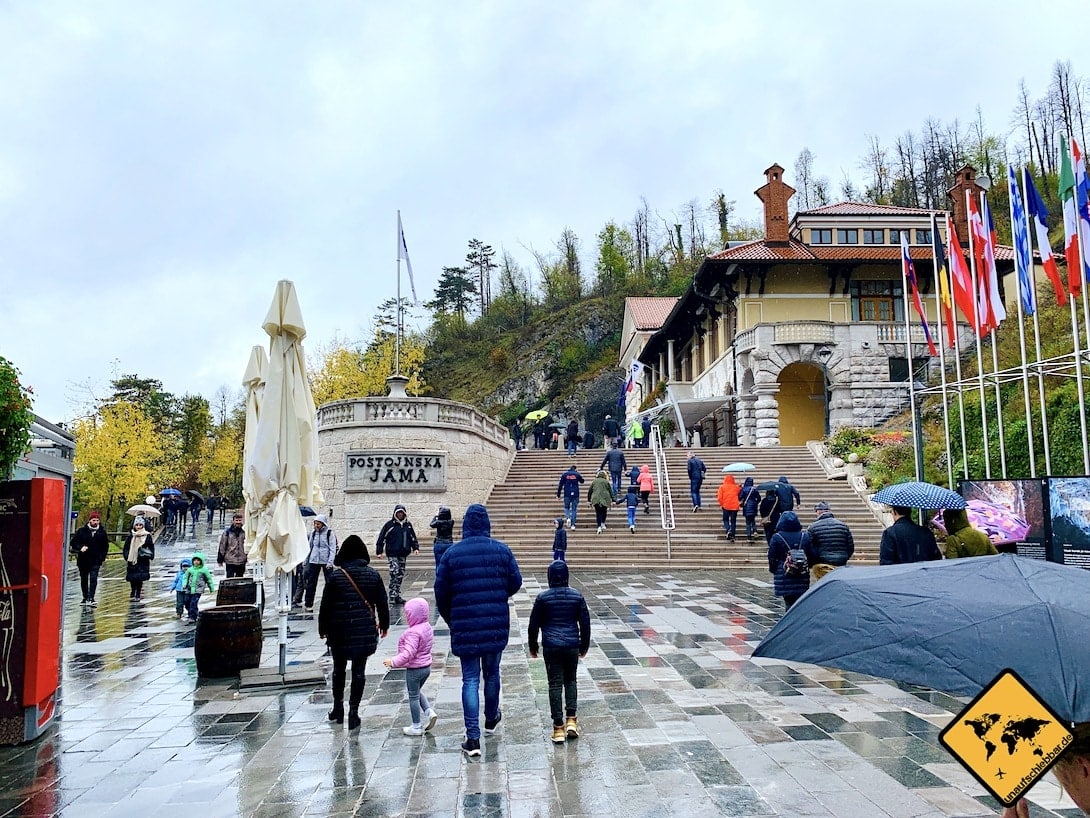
x=677, y=720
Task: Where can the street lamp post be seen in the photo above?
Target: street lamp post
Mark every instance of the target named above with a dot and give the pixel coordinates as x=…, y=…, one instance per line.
x=823, y=355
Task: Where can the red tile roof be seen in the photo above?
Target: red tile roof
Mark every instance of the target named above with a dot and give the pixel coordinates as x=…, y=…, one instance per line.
x=649, y=313
x=866, y=209
x=797, y=251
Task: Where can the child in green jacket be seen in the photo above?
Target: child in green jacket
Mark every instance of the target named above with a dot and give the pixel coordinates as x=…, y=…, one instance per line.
x=198, y=579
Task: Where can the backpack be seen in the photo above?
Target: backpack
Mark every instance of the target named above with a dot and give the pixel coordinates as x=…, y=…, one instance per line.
x=796, y=564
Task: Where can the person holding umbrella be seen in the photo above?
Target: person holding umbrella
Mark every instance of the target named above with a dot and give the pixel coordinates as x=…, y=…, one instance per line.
x=139, y=551
x=907, y=541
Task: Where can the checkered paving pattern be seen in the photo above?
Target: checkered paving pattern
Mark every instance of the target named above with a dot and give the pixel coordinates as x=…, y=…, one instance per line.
x=676, y=720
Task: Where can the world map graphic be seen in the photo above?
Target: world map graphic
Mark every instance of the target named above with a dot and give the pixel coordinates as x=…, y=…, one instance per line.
x=1015, y=732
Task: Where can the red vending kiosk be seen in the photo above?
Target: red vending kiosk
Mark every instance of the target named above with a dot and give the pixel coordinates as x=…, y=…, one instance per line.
x=31, y=591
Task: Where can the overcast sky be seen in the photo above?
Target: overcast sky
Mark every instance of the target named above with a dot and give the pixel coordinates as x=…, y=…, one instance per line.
x=163, y=164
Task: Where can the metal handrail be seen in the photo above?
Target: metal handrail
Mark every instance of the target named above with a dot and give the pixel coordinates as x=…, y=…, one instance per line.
x=662, y=480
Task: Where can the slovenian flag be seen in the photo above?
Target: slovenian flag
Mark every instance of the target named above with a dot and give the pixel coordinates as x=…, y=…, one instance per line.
x=1082, y=205
x=635, y=372
x=910, y=277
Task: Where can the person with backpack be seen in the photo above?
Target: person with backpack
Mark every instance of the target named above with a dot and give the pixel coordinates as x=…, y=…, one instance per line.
x=443, y=523
x=769, y=511
x=790, y=555
x=750, y=501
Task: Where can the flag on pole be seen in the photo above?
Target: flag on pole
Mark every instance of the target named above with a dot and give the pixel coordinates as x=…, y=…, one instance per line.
x=1023, y=251
x=1082, y=205
x=403, y=253
x=983, y=273
x=910, y=277
x=1071, y=220
x=1039, y=215
x=959, y=276
x=995, y=300
x=942, y=274
x=635, y=372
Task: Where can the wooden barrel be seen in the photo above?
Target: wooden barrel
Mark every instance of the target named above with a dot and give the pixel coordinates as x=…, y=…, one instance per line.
x=240, y=591
x=228, y=640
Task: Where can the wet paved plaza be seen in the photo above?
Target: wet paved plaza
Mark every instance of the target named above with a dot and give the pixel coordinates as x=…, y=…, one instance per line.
x=676, y=720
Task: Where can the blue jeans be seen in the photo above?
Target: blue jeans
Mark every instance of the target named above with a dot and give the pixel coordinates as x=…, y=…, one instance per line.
x=571, y=506
x=571, y=447
x=631, y=516
x=414, y=681
x=730, y=522
x=472, y=668
x=615, y=479
x=694, y=493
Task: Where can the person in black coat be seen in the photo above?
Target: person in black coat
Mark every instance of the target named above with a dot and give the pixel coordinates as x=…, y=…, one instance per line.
x=443, y=523
x=562, y=617
x=398, y=539
x=832, y=540
x=907, y=541
x=139, y=551
x=90, y=544
x=750, y=499
x=789, y=534
x=352, y=617
x=770, y=511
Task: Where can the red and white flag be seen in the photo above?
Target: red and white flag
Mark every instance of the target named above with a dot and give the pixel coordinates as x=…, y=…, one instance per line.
x=984, y=273
x=959, y=276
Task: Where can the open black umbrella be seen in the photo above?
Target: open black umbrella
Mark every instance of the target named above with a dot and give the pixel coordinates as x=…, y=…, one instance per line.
x=769, y=485
x=307, y=511
x=196, y=494
x=951, y=625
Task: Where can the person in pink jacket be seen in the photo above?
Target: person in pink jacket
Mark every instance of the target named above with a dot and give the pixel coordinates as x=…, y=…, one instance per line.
x=647, y=485
x=414, y=654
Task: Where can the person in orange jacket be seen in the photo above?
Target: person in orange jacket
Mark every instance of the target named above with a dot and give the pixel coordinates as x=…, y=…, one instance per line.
x=728, y=494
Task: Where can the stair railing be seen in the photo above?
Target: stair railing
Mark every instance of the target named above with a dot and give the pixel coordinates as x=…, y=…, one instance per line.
x=662, y=480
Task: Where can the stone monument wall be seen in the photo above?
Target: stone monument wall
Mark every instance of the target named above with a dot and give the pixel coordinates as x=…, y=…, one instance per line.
x=420, y=452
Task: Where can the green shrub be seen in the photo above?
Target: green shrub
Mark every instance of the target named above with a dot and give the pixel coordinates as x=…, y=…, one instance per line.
x=850, y=440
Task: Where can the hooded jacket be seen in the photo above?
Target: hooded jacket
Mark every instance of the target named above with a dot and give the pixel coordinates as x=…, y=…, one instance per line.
x=473, y=582
x=788, y=494
x=232, y=547
x=645, y=480
x=962, y=540
x=749, y=498
x=397, y=537
x=179, y=578
x=347, y=620
x=789, y=534
x=198, y=578
x=414, y=645
x=601, y=491
x=560, y=614
x=443, y=523
x=323, y=544
x=696, y=470
x=560, y=536
x=728, y=494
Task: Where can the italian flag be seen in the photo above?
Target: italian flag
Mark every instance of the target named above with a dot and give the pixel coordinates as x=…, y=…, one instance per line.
x=1071, y=220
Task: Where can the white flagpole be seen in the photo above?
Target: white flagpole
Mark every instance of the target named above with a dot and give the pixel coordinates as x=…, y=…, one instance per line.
x=1077, y=351
x=397, y=335
x=942, y=351
x=979, y=341
x=1037, y=336
x=1022, y=329
x=957, y=350
x=917, y=446
x=994, y=338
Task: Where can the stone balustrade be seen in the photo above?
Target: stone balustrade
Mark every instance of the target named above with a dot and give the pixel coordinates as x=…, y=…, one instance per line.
x=408, y=410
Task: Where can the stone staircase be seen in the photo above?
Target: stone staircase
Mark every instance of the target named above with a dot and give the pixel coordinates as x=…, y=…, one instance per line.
x=522, y=509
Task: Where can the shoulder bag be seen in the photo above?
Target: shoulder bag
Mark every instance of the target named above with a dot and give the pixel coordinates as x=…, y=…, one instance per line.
x=366, y=601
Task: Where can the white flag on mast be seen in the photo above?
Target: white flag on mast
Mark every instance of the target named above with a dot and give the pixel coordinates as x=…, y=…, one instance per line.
x=403, y=253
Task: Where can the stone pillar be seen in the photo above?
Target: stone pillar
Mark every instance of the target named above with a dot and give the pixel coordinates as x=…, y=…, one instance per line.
x=767, y=415
x=746, y=420
x=670, y=361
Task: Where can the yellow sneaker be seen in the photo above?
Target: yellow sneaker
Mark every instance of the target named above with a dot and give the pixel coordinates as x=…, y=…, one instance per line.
x=558, y=734
x=571, y=727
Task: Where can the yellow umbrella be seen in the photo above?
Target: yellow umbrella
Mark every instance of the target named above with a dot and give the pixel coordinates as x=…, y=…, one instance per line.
x=537, y=414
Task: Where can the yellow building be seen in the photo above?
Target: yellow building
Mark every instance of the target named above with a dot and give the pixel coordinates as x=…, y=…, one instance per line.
x=779, y=340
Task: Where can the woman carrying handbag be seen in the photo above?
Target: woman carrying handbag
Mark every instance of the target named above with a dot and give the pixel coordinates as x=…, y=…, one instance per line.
x=139, y=551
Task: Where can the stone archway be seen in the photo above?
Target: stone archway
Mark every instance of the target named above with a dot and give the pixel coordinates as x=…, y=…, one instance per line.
x=803, y=403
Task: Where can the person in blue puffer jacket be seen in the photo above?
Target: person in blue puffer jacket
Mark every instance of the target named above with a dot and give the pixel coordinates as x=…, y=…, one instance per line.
x=562, y=617
x=473, y=581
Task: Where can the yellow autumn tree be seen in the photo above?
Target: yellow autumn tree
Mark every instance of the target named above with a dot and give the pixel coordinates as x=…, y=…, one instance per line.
x=118, y=456
x=343, y=370
x=221, y=459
